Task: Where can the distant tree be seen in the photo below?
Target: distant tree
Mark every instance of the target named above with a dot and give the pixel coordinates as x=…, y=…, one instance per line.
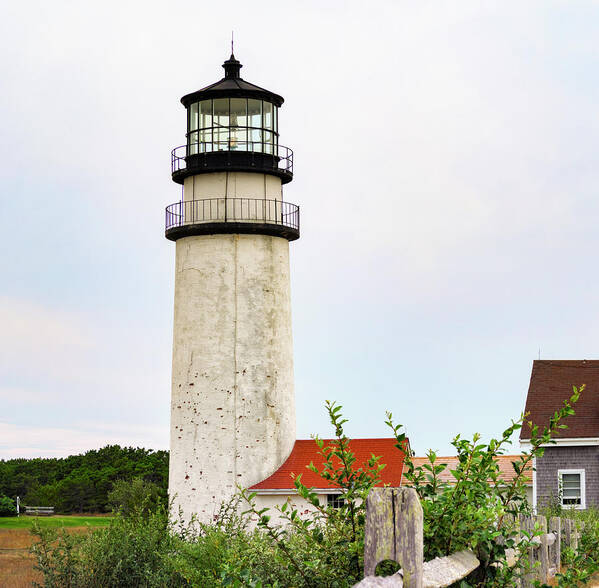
x=81, y=483
x=137, y=495
x=46, y=495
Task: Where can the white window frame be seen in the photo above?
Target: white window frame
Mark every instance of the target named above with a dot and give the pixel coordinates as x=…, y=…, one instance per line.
x=582, y=505
x=334, y=500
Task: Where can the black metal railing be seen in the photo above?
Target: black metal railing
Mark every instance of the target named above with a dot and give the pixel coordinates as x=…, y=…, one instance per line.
x=280, y=160
x=232, y=210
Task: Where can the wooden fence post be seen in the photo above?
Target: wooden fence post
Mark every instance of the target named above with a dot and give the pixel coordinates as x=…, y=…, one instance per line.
x=511, y=527
x=555, y=561
x=409, y=531
x=379, y=534
x=570, y=534
x=527, y=526
x=394, y=531
x=542, y=552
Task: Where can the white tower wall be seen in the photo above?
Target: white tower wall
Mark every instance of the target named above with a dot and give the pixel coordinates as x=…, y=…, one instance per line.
x=232, y=404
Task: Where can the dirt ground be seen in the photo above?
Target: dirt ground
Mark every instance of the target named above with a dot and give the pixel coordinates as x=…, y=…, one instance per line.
x=16, y=564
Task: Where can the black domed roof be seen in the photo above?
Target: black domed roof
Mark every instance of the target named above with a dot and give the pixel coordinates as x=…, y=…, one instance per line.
x=232, y=86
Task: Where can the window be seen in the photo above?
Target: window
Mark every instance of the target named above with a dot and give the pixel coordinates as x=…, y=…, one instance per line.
x=335, y=500
x=571, y=485
x=232, y=124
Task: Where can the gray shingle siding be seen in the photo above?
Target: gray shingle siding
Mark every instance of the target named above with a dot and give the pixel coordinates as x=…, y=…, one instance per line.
x=567, y=458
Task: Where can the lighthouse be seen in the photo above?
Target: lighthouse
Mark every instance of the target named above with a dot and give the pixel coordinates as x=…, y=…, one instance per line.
x=232, y=400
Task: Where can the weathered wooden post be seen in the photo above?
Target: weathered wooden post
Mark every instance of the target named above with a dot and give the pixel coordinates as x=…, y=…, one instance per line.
x=542, y=551
x=410, y=529
x=555, y=562
x=394, y=531
x=570, y=536
x=527, y=529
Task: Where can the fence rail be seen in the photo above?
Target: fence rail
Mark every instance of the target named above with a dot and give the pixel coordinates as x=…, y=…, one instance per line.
x=394, y=531
x=38, y=510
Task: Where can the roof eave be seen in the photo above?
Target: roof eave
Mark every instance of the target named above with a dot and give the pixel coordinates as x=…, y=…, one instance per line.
x=212, y=92
x=565, y=442
x=285, y=491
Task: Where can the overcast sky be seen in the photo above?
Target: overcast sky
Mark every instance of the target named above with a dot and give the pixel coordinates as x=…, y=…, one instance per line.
x=446, y=169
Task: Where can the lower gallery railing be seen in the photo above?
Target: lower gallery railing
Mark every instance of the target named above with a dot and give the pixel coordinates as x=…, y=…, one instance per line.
x=234, y=210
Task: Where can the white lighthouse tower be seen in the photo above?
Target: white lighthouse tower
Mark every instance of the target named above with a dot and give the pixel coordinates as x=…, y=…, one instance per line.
x=232, y=404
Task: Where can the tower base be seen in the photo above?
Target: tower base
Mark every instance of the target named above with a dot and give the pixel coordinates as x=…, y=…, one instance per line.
x=232, y=407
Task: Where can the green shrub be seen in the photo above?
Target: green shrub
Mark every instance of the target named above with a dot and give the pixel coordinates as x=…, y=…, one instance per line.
x=132, y=551
x=142, y=548
x=7, y=507
x=131, y=496
x=325, y=548
x=578, y=565
x=471, y=513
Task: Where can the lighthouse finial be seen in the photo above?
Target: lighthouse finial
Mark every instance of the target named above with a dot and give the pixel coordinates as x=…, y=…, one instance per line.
x=232, y=39
x=232, y=66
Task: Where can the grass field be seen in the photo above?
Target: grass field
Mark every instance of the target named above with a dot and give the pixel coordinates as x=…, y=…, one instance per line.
x=25, y=522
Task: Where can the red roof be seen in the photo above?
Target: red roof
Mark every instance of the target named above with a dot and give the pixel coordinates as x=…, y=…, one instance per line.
x=551, y=383
x=506, y=470
x=306, y=451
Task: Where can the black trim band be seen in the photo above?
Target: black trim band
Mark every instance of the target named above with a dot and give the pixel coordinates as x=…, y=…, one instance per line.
x=227, y=228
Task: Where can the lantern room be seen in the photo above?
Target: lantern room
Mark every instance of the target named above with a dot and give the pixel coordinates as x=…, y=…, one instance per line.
x=232, y=125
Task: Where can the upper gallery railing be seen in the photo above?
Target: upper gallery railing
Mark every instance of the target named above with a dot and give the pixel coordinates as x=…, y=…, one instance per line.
x=278, y=157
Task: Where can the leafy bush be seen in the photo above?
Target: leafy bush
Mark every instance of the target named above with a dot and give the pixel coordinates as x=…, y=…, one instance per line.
x=473, y=512
x=131, y=551
x=578, y=565
x=324, y=548
x=7, y=507
x=130, y=496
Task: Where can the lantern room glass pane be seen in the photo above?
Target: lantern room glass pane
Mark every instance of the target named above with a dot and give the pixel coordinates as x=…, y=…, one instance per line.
x=268, y=142
x=205, y=137
x=221, y=139
x=193, y=117
x=238, y=139
x=238, y=112
x=268, y=118
x=255, y=139
x=236, y=124
x=192, y=144
x=221, y=112
x=205, y=114
x=255, y=113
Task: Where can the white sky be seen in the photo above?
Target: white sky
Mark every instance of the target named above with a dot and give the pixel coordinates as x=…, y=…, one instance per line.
x=445, y=165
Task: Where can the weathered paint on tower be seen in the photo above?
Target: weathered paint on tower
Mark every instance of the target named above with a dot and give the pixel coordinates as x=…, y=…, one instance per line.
x=232, y=403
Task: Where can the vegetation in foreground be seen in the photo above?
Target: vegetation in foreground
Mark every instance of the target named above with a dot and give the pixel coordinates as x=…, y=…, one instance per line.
x=141, y=548
x=579, y=567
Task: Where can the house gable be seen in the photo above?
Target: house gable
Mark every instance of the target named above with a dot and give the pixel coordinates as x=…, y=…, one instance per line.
x=576, y=448
x=551, y=383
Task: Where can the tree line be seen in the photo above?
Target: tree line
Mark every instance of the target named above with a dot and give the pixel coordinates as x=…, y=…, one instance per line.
x=81, y=483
